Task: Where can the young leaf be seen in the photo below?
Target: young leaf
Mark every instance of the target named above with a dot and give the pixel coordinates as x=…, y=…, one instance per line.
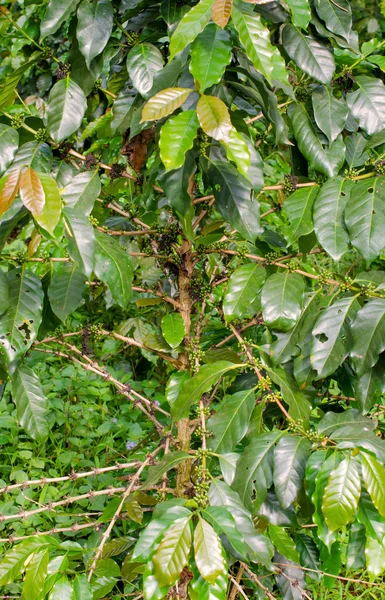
x=193, y=389
x=210, y=55
x=57, y=12
x=81, y=241
x=300, y=11
x=82, y=192
x=375, y=557
x=62, y=590
x=31, y=191
x=341, y=495
x=12, y=563
x=177, y=137
x=9, y=143
x=330, y=114
x=214, y=117
x=65, y=109
x=229, y=425
x=164, y=103
x=9, y=187
x=66, y=290
x=243, y=288
x=309, y=54
x=31, y=403
x=290, y=458
x=282, y=296
x=173, y=329
x=299, y=209
x=191, y=24
x=35, y=575
x=208, y=552
x=171, y=556
x=368, y=330
x=143, y=62
x=283, y=543
x=221, y=12
x=82, y=589
x=223, y=522
x=238, y=151
x=233, y=199
x=374, y=478
x=113, y=266
x=94, y=27
x=329, y=208
x=49, y=217
x=332, y=339
x=363, y=215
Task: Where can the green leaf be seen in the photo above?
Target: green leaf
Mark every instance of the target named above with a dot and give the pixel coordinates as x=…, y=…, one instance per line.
x=164, y=103
x=49, y=217
x=254, y=37
x=299, y=400
x=356, y=156
x=313, y=57
x=238, y=151
x=332, y=339
x=35, y=575
x=336, y=15
x=329, y=208
x=193, y=389
x=300, y=11
x=31, y=403
x=367, y=103
x=66, y=290
x=368, y=331
x=169, y=461
x=363, y=215
x=254, y=472
x=244, y=285
x=223, y=523
x=290, y=458
x=19, y=325
x=330, y=114
x=327, y=161
x=355, y=552
x=210, y=55
x=35, y=155
x=173, y=329
x=369, y=517
x=113, y=266
x=309, y=555
x=282, y=297
x=151, y=588
x=375, y=557
x=143, y=62
x=299, y=209
x=233, y=199
x=200, y=589
x=62, y=590
x=341, y=495
x=65, y=109
x=177, y=137
x=214, y=117
x=81, y=242
x=283, y=542
x=208, y=552
x=9, y=143
x=57, y=13
x=172, y=553
x=82, y=590
x=191, y=25
x=12, y=563
x=94, y=27
x=322, y=472
x=82, y=192
x=229, y=425
x=4, y=293
x=373, y=474
x=177, y=186
x=174, y=385
x=369, y=387
x=8, y=91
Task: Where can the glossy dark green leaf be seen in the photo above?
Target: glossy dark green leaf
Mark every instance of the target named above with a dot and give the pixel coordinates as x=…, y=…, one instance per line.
x=355, y=552
x=327, y=161
x=254, y=474
x=299, y=209
x=356, y=154
x=81, y=241
x=336, y=16
x=31, y=403
x=65, y=109
x=243, y=288
x=369, y=386
x=143, y=62
x=283, y=542
x=367, y=104
x=295, y=579
x=368, y=330
x=94, y=27
x=282, y=297
x=9, y=142
x=229, y=425
x=313, y=57
x=309, y=555
x=363, y=215
x=210, y=55
x=224, y=524
x=66, y=290
x=299, y=400
x=290, y=457
x=82, y=191
x=172, y=553
x=193, y=389
x=19, y=325
x=332, y=339
x=113, y=266
x=330, y=114
x=329, y=208
x=233, y=199
x=169, y=461
x=34, y=154
x=57, y=13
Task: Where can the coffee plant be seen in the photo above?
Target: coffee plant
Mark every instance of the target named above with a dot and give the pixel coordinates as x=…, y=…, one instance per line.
x=192, y=317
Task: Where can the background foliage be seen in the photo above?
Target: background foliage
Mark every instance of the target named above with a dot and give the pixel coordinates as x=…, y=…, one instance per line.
x=192, y=219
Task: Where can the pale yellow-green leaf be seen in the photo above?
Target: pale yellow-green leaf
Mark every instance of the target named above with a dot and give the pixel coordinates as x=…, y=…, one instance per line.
x=214, y=117
x=208, y=551
x=164, y=103
x=238, y=152
x=341, y=495
x=375, y=557
x=50, y=215
x=191, y=24
x=374, y=477
x=177, y=137
x=171, y=556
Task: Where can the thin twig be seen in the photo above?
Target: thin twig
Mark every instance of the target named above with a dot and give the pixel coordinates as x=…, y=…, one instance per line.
x=258, y=582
